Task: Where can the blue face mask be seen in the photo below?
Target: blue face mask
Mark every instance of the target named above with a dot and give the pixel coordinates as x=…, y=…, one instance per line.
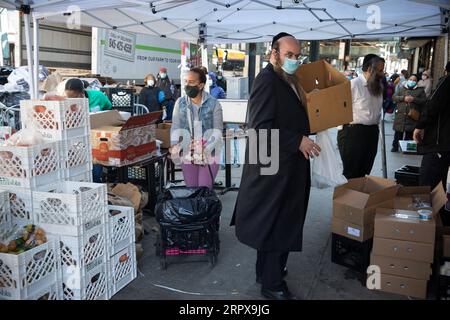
x=411, y=84
x=290, y=65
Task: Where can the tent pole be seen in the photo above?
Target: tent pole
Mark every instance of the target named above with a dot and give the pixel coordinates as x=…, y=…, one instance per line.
x=36, y=55
x=26, y=18
x=383, y=147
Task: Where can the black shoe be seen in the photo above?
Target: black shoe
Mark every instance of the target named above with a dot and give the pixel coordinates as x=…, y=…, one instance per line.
x=283, y=274
x=394, y=149
x=283, y=294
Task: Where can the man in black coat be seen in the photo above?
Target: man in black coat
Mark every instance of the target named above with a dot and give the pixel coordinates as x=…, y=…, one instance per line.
x=433, y=135
x=270, y=209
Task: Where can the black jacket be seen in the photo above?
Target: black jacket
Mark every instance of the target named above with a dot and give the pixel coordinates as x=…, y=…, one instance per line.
x=149, y=98
x=270, y=210
x=435, y=120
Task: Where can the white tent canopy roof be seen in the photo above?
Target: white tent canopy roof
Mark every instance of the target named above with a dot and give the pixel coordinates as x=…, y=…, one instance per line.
x=249, y=21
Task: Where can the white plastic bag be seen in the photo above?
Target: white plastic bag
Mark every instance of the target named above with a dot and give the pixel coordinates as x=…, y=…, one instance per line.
x=326, y=169
x=25, y=138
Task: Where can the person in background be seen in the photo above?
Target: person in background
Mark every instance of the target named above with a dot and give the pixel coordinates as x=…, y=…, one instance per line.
x=410, y=101
x=404, y=76
x=170, y=93
x=221, y=81
x=358, y=141
x=98, y=101
x=152, y=96
x=388, y=104
x=198, y=107
x=218, y=93
x=214, y=90
x=426, y=82
x=432, y=134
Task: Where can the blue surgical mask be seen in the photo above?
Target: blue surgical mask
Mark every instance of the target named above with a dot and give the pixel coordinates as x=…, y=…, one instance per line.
x=411, y=84
x=290, y=65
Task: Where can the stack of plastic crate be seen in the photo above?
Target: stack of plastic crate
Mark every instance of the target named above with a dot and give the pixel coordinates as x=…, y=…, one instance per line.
x=76, y=213
x=31, y=275
x=24, y=169
x=122, y=265
x=67, y=122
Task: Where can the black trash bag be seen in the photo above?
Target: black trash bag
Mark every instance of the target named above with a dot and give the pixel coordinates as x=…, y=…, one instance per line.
x=181, y=206
x=10, y=99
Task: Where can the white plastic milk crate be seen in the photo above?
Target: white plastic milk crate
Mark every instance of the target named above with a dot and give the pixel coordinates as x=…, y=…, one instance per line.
x=4, y=207
x=70, y=208
x=27, y=274
x=57, y=120
x=80, y=255
x=20, y=203
x=92, y=286
x=82, y=177
x=77, y=156
x=30, y=167
x=52, y=292
x=122, y=269
x=121, y=232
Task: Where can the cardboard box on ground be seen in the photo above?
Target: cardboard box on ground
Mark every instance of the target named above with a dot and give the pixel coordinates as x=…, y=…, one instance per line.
x=327, y=93
x=404, y=245
x=116, y=142
x=355, y=204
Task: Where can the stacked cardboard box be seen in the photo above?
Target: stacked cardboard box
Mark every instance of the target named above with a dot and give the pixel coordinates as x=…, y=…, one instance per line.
x=354, y=206
x=404, y=244
x=116, y=142
x=355, y=203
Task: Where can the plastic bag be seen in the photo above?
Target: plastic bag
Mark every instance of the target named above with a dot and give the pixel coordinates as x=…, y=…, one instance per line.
x=326, y=169
x=183, y=206
x=25, y=138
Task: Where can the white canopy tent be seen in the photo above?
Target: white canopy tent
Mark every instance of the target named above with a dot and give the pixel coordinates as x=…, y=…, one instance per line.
x=231, y=21
x=219, y=21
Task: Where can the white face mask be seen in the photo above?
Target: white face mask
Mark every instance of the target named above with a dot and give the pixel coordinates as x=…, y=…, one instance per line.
x=209, y=82
x=150, y=83
x=163, y=75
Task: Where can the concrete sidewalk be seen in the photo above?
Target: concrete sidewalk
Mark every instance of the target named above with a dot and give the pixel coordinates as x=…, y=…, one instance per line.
x=311, y=273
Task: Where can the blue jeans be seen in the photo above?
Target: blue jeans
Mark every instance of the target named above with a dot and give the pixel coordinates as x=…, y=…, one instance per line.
x=234, y=147
x=97, y=171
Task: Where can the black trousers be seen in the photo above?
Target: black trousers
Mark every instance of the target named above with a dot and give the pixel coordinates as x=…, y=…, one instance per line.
x=358, y=146
x=399, y=135
x=434, y=169
x=270, y=266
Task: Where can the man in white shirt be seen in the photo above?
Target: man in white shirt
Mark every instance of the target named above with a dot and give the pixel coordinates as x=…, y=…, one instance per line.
x=358, y=141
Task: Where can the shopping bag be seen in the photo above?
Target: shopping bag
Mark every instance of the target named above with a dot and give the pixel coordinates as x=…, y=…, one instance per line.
x=326, y=169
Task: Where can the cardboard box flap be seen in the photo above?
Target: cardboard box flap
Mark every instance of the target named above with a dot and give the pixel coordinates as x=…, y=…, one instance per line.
x=374, y=184
x=319, y=75
x=407, y=191
x=354, y=184
x=142, y=120
x=438, y=198
x=335, y=77
x=381, y=196
x=353, y=198
x=109, y=118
